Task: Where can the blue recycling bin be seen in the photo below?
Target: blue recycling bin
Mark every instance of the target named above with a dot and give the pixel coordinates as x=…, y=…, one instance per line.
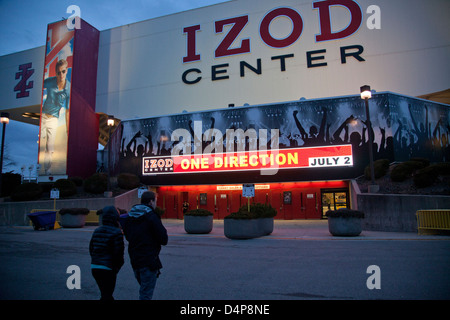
x=43, y=220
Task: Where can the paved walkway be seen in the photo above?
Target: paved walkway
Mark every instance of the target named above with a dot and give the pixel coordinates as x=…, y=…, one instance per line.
x=304, y=230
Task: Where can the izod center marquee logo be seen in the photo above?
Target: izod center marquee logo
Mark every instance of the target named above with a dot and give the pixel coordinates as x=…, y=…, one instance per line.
x=311, y=157
x=235, y=40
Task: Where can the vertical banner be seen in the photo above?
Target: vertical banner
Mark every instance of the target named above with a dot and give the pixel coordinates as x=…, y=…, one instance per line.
x=55, y=103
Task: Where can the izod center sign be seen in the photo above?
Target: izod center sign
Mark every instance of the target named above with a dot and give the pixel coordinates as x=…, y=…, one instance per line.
x=234, y=40
x=267, y=160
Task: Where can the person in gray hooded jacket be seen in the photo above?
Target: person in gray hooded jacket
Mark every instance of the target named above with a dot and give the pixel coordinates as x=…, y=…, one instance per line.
x=106, y=249
x=145, y=234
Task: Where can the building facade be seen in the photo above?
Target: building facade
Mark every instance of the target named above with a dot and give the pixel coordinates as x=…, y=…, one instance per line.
x=168, y=83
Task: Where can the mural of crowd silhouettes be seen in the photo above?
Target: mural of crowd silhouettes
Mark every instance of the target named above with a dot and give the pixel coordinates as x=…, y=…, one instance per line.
x=403, y=127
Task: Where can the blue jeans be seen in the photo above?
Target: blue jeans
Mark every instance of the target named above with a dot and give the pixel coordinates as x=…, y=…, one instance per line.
x=147, y=280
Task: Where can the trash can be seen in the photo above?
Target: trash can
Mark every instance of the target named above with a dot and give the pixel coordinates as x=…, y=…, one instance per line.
x=43, y=220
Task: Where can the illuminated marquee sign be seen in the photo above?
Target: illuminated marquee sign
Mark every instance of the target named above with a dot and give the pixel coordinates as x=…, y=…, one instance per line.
x=311, y=157
x=239, y=187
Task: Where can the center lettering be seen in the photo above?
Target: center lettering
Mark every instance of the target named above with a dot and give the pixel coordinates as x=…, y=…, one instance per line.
x=314, y=59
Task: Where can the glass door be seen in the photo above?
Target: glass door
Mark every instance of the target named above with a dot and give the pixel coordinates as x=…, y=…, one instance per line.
x=334, y=199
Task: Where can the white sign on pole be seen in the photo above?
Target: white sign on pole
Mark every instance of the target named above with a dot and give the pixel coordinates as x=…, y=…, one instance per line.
x=248, y=190
x=54, y=193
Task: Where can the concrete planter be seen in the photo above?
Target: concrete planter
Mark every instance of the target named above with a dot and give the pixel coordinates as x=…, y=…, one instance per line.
x=345, y=222
x=198, y=224
x=241, y=228
x=345, y=227
x=72, y=220
x=247, y=228
x=73, y=217
x=266, y=225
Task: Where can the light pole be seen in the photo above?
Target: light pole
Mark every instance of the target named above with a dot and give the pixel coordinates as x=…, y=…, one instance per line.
x=110, y=123
x=366, y=94
x=4, y=118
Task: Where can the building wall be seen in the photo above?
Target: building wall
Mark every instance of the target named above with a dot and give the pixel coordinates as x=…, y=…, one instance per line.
x=141, y=64
x=396, y=212
x=83, y=142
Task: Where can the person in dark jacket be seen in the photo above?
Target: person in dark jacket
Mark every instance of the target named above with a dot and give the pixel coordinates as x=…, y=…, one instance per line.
x=106, y=249
x=145, y=234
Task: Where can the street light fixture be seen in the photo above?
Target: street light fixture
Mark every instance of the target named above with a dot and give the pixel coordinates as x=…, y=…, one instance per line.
x=4, y=118
x=366, y=94
x=110, y=123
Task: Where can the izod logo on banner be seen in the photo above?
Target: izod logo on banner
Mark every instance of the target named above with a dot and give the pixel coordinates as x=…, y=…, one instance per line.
x=311, y=157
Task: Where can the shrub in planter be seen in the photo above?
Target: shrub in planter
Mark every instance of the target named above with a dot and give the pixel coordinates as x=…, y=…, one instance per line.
x=426, y=177
x=405, y=169
x=97, y=183
x=198, y=221
x=345, y=222
x=128, y=181
x=73, y=217
x=443, y=168
x=27, y=192
x=46, y=186
x=380, y=168
x=399, y=173
x=425, y=162
x=257, y=210
x=66, y=187
x=77, y=180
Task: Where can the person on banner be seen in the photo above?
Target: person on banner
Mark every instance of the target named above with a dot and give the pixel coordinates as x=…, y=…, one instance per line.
x=106, y=249
x=145, y=234
x=57, y=97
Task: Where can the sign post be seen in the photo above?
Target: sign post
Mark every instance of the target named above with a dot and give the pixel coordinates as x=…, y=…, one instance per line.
x=248, y=191
x=54, y=194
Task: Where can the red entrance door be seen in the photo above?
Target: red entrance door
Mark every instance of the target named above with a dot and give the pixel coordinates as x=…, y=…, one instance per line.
x=277, y=203
x=222, y=205
x=312, y=206
x=170, y=203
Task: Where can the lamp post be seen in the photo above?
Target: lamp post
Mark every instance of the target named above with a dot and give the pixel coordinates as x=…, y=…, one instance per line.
x=366, y=94
x=4, y=118
x=110, y=123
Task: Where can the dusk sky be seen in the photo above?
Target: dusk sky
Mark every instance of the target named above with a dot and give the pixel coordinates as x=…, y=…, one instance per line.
x=24, y=24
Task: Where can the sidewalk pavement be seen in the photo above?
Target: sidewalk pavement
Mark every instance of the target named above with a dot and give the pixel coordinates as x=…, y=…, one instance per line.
x=304, y=230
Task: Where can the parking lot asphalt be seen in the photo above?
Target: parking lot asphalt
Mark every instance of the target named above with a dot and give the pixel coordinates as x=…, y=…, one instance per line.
x=300, y=260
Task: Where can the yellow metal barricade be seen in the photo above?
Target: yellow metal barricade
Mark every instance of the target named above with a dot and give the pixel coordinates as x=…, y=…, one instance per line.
x=430, y=221
x=92, y=217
